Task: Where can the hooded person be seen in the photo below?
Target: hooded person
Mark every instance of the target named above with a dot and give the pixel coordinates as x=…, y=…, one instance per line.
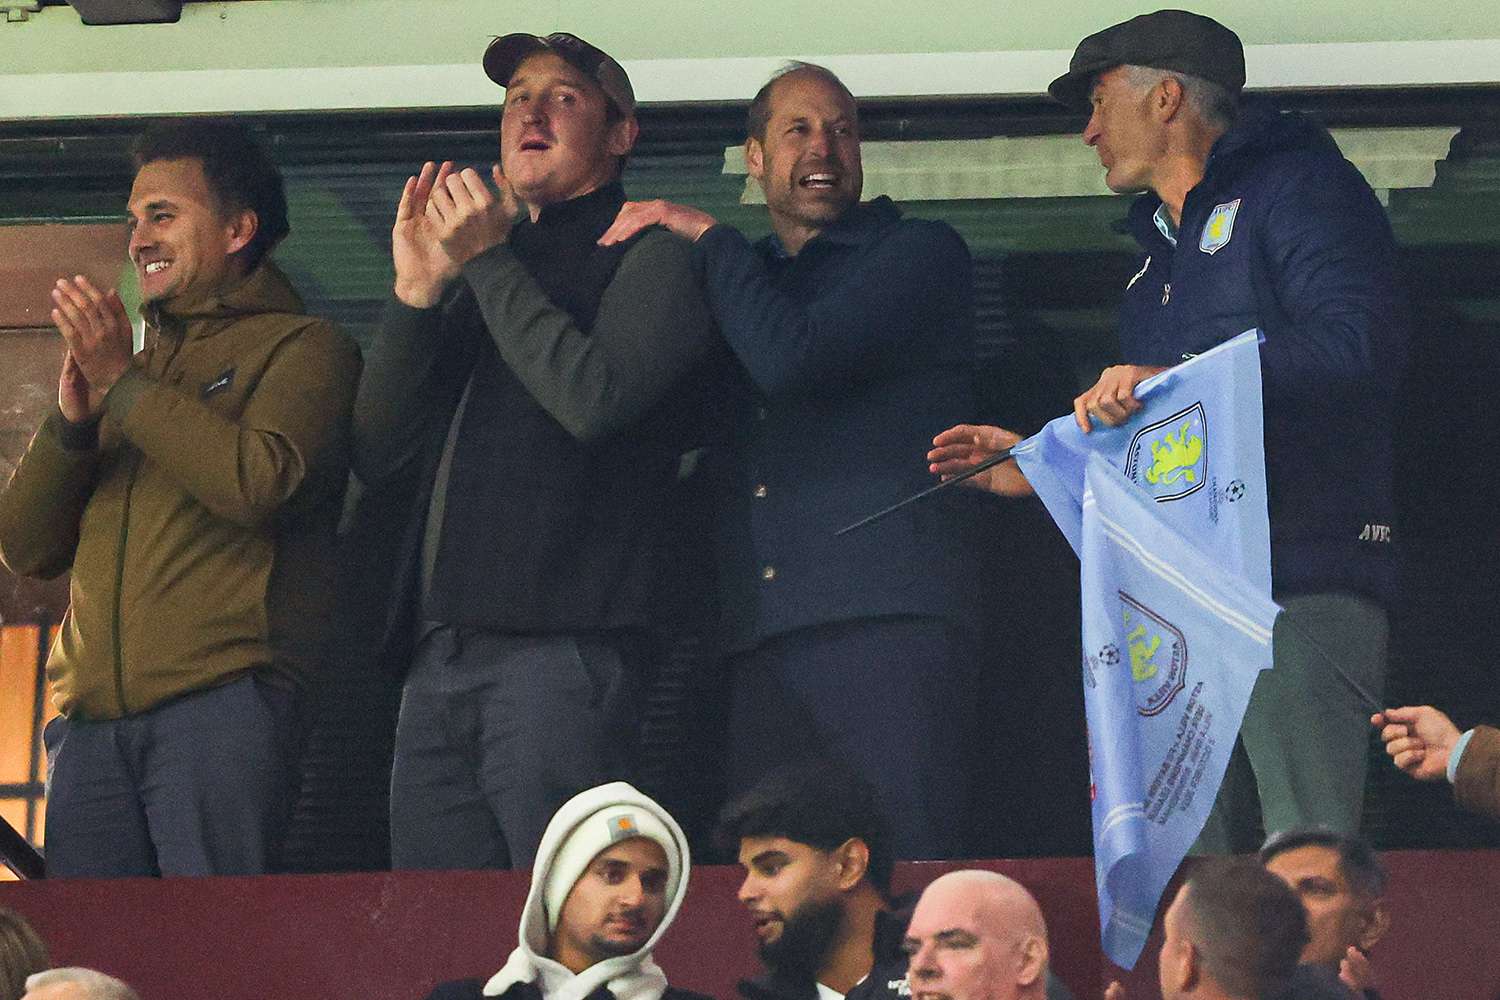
x=610, y=875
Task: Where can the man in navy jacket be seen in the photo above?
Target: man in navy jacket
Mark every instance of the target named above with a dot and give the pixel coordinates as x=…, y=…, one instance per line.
x=1257, y=221
x=854, y=327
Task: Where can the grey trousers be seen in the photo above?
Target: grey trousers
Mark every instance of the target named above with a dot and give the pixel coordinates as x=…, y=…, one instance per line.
x=201, y=785
x=496, y=731
x=1304, y=744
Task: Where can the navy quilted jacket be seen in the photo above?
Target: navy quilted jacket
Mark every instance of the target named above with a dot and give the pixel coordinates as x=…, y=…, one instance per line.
x=1283, y=234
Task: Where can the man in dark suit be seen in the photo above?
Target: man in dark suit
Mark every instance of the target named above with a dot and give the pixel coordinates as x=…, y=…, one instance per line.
x=853, y=324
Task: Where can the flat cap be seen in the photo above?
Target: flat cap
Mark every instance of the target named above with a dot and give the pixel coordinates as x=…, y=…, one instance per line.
x=507, y=52
x=1165, y=39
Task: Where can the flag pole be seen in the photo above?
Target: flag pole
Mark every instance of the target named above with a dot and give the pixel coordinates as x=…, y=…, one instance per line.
x=987, y=464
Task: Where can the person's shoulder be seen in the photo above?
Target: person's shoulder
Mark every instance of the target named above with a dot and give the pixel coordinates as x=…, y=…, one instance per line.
x=458, y=989
x=930, y=236
x=659, y=254
x=321, y=337
x=657, y=243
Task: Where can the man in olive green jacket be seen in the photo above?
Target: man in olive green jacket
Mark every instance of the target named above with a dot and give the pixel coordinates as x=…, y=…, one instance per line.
x=193, y=490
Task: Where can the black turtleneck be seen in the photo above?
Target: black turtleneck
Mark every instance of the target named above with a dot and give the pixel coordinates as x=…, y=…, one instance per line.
x=568, y=439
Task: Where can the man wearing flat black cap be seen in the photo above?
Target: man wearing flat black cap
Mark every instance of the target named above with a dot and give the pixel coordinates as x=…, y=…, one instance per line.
x=528, y=383
x=1257, y=221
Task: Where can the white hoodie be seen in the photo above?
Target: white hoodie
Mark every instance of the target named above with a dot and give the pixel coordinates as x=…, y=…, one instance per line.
x=628, y=977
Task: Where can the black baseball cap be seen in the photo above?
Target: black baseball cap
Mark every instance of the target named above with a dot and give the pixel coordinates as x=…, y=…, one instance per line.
x=506, y=53
x=1166, y=39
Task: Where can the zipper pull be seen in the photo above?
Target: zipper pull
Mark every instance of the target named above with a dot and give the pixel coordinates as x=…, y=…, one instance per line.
x=1166, y=293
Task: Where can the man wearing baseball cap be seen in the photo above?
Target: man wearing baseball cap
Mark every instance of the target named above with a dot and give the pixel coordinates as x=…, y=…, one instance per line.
x=529, y=383
x=610, y=874
x=1257, y=221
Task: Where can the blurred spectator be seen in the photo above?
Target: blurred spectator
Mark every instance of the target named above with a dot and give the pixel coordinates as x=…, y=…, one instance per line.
x=192, y=489
x=817, y=858
x=1426, y=744
x=1342, y=886
x=1234, y=932
x=610, y=874
x=977, y=935
x=21, y=954
x=76, y=984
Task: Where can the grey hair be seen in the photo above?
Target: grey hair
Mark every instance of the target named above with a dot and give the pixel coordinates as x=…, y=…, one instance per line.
x=1209, y=101
x=97, y=984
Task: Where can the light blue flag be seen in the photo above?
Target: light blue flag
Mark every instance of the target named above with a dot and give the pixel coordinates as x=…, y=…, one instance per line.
x=1172, y=644
x=1197, y=447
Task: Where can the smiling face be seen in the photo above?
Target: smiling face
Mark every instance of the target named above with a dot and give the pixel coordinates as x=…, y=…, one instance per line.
x=556, y=139
x=1130, y=141
x=808, y=160
x=182, y=241
x=614, y=907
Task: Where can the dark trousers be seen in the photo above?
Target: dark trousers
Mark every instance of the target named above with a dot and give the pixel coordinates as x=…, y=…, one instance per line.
x=496, y=732
x=890, y=698
x=201, y=785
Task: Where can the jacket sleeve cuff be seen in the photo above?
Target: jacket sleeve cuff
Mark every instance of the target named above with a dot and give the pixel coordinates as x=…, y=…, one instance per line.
x=1477, y=779
x=82, y=436
x=1458, y=755
x=128, y=388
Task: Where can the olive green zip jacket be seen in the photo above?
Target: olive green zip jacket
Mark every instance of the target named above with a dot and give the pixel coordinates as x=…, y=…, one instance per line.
x=198, y=515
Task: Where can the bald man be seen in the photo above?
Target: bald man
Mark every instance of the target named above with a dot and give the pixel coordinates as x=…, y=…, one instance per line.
x=977, y=935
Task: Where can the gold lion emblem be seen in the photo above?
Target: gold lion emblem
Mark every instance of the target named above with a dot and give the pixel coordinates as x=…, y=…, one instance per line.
x=1174, y=457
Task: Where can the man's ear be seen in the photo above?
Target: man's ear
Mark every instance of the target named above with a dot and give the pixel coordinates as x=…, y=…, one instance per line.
x=853, y=857
x=1167, y=98
x=1377, y=922
x=1033, y=961
x=622, y=136
x=1192, y=966
x=1180, y=969
x=754, y=158
x=240, y=230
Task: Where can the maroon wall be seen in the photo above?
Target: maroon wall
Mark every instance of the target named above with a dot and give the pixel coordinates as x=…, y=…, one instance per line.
x=391, y=936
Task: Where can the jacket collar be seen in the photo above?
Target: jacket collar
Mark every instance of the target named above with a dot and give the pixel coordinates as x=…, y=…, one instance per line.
x=264, y=290
x=854, y=228
x=600, y=203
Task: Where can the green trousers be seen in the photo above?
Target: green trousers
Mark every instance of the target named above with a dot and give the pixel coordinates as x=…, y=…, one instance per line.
x=1303, y=747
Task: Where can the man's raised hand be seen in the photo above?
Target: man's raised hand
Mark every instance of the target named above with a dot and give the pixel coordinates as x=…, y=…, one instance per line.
x=684, y=220
x=1419, y=739
x=470, y=216
x=423, y=267
x=100, y=344
x=958, y=449
x=75, y=399
x=1111, y=400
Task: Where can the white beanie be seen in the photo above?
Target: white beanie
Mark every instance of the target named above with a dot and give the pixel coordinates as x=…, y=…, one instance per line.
x=583, y=826
x=596, y=832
